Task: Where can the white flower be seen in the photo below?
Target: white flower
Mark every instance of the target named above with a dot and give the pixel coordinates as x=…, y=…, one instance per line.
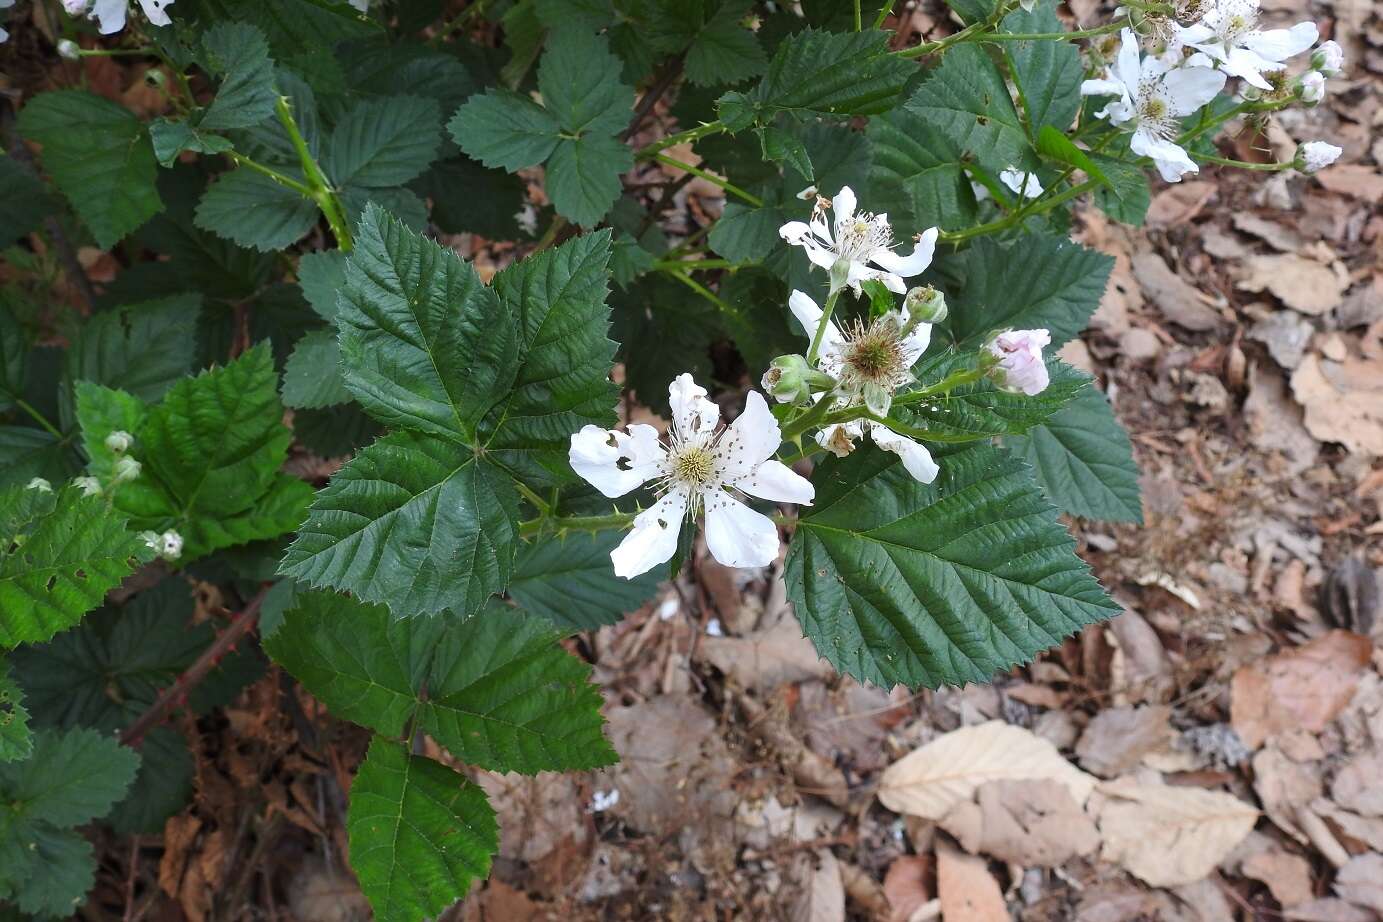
x=858, y=239
x=119, y=441
x=604, y=800
x=89, y=486
x=1316, y=155
x=170, y=545
x=1154, y=98
x=39, y=484
x=1229, y=36
x=1312, y=87
x=5, y=36
x=1024, y=185
x=111, y=14
x=1329, y=59
x=1017, y=357
x=839, y=440
x=702, y=468
x=127, y=469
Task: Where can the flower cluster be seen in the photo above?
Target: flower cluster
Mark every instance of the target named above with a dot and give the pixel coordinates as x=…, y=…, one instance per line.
x=1193, y=54
x=110, y=15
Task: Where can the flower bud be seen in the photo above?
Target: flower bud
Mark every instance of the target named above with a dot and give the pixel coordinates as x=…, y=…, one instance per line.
x=790, y=379
x=170, y=545
x=89, y=486
x=119, y=441
x=1316, y=155
x=69, y=49
x=840, y=274
x=39, y=484
x=1329, y=59
x=925, y=304
x=127, y=469
x=1014, y=361
x=75, y=7
x=1311, y=87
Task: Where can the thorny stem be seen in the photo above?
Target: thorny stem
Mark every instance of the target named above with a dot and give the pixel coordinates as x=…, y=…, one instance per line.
x=706, y=130
x=944, y=386
x=1058, y=36
x=969, y=33
x=1246, y=165
x=1004, y=223
x=320, y=188
x=549, y=237
x=883, y=14
x=711, y=178
x=816, y=414
x=528, y=494
x=535, y=527
x=285, y=181
x=859, y=19
x=113, y=52
x=821, y=326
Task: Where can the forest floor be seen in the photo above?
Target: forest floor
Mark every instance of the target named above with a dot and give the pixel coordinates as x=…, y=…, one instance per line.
x=1215, y=753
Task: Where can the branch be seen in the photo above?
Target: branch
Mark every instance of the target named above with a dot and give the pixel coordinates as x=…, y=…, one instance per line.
x=652, y=95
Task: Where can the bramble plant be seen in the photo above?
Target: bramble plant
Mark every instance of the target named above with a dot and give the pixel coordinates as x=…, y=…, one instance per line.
x=896, y=404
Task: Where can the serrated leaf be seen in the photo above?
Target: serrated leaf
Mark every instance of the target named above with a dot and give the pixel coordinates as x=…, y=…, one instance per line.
x=1053, y=144
x=15, y=741
x=1048, y=73
x=719, y=49
x=466, y=196
x=1084, y=461
x=1037, y=282
x=579, y=80
x=1126, y=199
x=570, y=582
x=583, y=177
x=780, y=145
x=321, y=276
x=239, y=54
x=504, y=129
x=27, y=452
x=384, y=142
x=973, y=10
x=980, y=408
x=254, y=211
x=162, y=787
x=898, y=582
x=143, y=349
x=420, y=834
x=14, y=355
x=172, y=138
x=72, y=777
x=590, y=15
x=424, y=344
x=99, y=156
x=925, y=167
x=57, y=564
x=61, y=870
x=504, y=695
x=24, y=201
x=363, y=663
x=744, y=233
x=967, y=100
x=565, y=354
x=414, y=522
x=312, y=374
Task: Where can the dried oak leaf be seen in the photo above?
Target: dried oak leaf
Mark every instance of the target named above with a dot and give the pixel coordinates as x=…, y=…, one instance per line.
x=1298, y=689
x=1117, y=738
x=1302, y=284
x=1031, y=823
x=1343, y=401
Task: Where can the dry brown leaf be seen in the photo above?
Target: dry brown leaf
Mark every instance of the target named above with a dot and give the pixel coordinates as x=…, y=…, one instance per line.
x=969, y=893
x=821, y=897
x=1284, y=787
x=1302, y=284
x=1287, y=876
x=1343, y=401
x=766, y=659
x=1167, y=836
x=1360, y=831
x=931, y=780
x=1358, y=786
x=1180, y=301
x=1356, y=180
x=1328, y=909
x=1117, y=738
x=1298, y=689
x=905, y=885
x=1032, y=823
x=1361, y=881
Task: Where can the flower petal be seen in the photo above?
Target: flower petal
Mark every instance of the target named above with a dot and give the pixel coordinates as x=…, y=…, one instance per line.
x=794, y=232
x=774, y=480
x=693, y=416
x=843, y=205
x=1172, y=162
x=615, y=462
x=808, y=313
x=736, y=535
x=749, y=441
x=914, y=264
x=1281, y=44
x=1128, y=66
x=916, y=343
x=916, y=458
x=653, y=539
x=1192, y=87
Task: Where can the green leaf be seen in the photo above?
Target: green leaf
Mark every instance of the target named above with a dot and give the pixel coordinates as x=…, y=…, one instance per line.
x=569, y=581
x=744, y=233
x=468, y=197
x=239, y=54
x=252, y=210
x=15, y=741
x=57, y=869
x=143, y=349
x=924, y=167
x=312, y=375
x=56, y=564
x=363, y=663
x=1048, y=73
x=583, y=177
x=898, y=582
x=321, y=276
x=780, y=145
x=24, y=201
x=99, y=156
x=826, y=73
x=384, y=142
x=505, y=696
x=424, y=344
x=72, y=777
x=14, y=354
x=101, y=411
x=504, y=129
x=173, y=138
x=162, y=787
x=1084, y=461
x=564, y=353
x=973, y=10
x=420, y=834
x=980, y=408
x=27, y=452
x=719, y=49
x=967, y=100
x=589, y=15
x=412, y=521
x=579, y=80
x=1053, y=144
x=1126, y=198
x=1037, y=282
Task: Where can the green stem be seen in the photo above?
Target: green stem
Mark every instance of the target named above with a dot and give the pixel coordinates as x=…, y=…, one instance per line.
x=1013, y=219
x=38, y=417
x=322, y=191
x=114, y=52
x=1210, y=124
x=710, y=178
x=682, y=137
x=1047, y=36
x=821, y=326
x=703, y=291
x=818, y=411
x=287, y=182
x=883, y=14
x=694, y=265
x=969, y=33
x=534, y=527
x=550, y=235
x=1246, y=165
x=944, y=386
x=859, y=19
x=538, y=502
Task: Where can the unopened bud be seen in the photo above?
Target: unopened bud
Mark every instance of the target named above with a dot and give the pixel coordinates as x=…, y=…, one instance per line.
x=127, y=469
x=1329, y=59
x=170, y=545
x=926, y=304
x=119, y=441
x=39, y=484
x=1316, y=155
x=790, y=379
x=155, y=78
x=69, y=49
x=1013, y=361
x=1311, y=87
x=840, y=274
x=89, y=486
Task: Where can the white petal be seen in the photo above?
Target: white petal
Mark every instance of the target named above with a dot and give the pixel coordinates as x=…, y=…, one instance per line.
x=774, y=480
x=794, y=232
x=1128, y=66
x=1192, y=87
x=1281, y=44
x=914, y=264
x=615, y=469
x=1101, y=87
x=806, y=310
x=916, y=344
x=653, y=539
x=110, y=14
x=843, y=204
x=1249, y=67
x=916, y=458
x=693, y=415
x=154, y=10
x=736, y=535
x=750, y=440
x=819, y=255
x=859, y=272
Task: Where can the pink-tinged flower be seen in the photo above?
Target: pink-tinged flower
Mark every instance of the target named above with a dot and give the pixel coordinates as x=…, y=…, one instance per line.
x=704, y=467
x=857, y=239
x=1017, y=360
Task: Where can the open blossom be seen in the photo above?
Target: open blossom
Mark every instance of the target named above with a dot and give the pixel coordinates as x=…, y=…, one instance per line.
x=702, y=468
x=1017, y=360
x=1023, y=185
x=856, y=240
x=1316, y=155
x=1229, y=36
x=1154, y=97
x=111, y=14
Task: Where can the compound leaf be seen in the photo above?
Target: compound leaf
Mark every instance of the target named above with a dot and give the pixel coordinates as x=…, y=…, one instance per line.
x=71, y=778
x=239, y=54
x=386, y=142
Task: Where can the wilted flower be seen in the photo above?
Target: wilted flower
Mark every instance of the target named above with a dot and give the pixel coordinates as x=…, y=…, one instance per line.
x=1316, y=155
x=1015, y=360
x=1329, y=59
x=1229, y=36
x=119, y=441
x=858, y=239
x=839, y=440
x=703, y=467
x=1155, y=98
